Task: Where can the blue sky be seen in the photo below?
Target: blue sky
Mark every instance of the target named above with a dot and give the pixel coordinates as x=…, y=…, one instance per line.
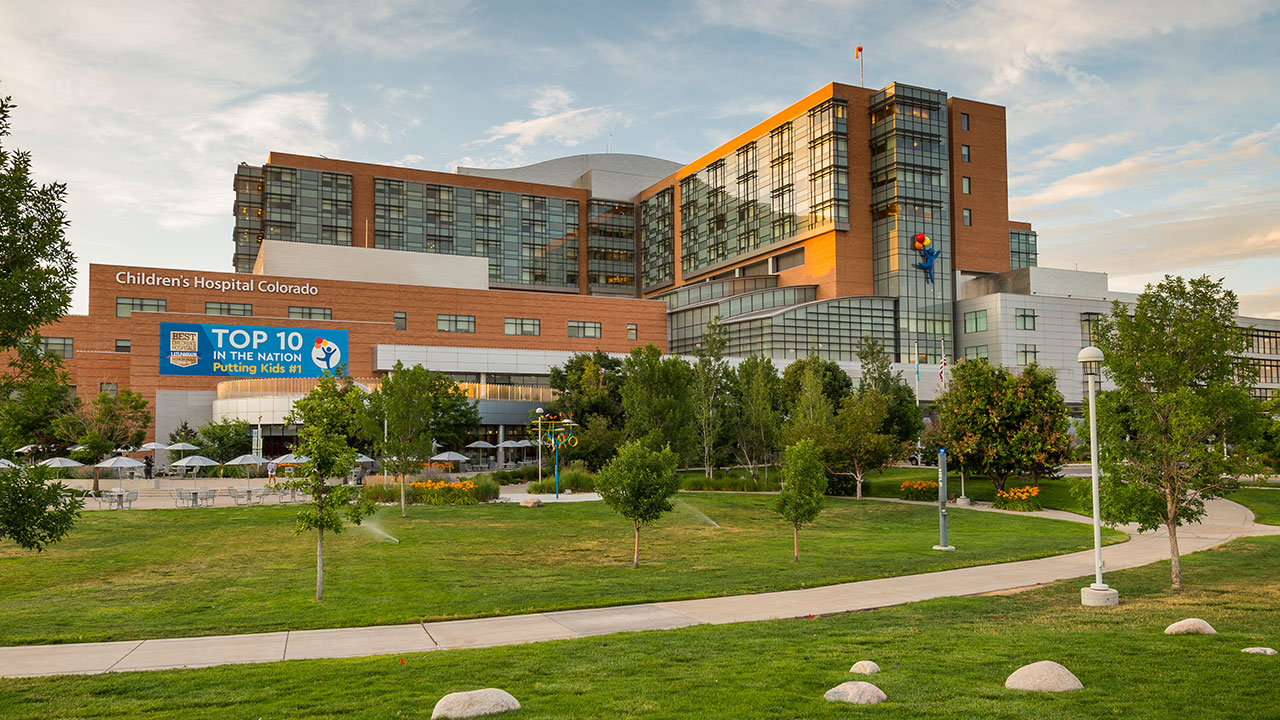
x=1144, y=137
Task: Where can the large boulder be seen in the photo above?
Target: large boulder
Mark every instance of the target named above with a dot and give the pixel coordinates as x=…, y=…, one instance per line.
x=865, y=667
x=1043, y=676
x=857, y=693
x=531, y=502
x=488, y=701
x=1260, y=651
x=1190, y=626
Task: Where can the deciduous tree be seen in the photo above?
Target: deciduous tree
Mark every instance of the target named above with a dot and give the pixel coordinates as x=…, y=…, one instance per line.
x=638, y=484
x=118, y=420
x=804, y=483
x=835, y=382
x=904, y=418
x=33, y=395
x=419, y=406
x=859, y=441
x=1181, y=398
x=709, y=393
x=590, y=392
x=325, y=417
x=35, y=511
x=757, y=413
x=655, y=398
x=37, y=268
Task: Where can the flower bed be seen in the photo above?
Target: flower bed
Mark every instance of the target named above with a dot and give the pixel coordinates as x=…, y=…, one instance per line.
x=919, y=490
x=1025, y=499
x=436, y=492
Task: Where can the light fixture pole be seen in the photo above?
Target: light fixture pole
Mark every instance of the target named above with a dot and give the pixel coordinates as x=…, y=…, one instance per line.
x=539, y=411
x=1097, y=594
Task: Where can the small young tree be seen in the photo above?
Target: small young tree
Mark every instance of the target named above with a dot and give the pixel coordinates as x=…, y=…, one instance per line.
x=708, y=392
x=1181, y=397
x=804, y=482
x=184, y=433
x=419, y=406
x=324, y=418
x=638, y=484
x=859, y=441
x=35, y=511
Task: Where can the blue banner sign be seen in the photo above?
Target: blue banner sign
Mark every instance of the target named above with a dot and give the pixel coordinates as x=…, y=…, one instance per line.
x=249, y=351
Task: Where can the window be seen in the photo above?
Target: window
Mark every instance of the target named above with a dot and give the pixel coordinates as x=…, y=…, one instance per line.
x=109, y=388
x=226, y=308
x=964, y=153
x=977, y=351
x=964, y=121
x=975, y=321
x=126, y=306
x=1026, y=354
x=58, y=347
x=786, y=261
x=633, y=331
x=522, y=326
x=968, y=217
x=310, y=313
x=582, y=329
x=1025, y=319
x=401, y=320
x=123, y=346
x=456, y=323
x=964, y=185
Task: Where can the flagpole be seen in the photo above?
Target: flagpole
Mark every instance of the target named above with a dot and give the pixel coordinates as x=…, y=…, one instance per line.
x=857, y=53
x=916, y=345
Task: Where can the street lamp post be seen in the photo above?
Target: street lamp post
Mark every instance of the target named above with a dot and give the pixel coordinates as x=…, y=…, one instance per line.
x=1097, y=594
x=539, y=411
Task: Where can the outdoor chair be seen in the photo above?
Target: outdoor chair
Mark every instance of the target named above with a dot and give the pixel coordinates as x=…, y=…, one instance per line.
x=130, y=497
x=237, y=497
x=179, y=498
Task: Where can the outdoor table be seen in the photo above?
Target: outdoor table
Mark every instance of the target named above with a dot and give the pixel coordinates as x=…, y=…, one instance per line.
x=191, y=498
x=115, y=497
x=205, y=496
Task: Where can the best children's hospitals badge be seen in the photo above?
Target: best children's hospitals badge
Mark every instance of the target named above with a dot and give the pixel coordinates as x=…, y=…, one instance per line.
x=184, y=348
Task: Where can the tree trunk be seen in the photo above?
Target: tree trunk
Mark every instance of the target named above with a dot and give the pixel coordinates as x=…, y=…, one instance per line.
x=402, y=510
x=795, y=543
x=635, y=559
x=1175, y=562
x=320, y=566
x=857, y=478
x=95, y=479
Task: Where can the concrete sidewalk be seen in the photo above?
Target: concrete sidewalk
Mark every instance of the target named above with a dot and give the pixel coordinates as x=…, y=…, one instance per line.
x=1224, y=521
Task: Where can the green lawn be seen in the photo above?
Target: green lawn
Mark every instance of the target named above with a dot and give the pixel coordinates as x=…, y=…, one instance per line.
x=157, y=573
x=1055, y=493
x=945, y=658
x=1265, y=504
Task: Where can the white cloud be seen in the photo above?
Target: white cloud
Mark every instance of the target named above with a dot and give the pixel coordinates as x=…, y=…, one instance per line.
x=555, y=121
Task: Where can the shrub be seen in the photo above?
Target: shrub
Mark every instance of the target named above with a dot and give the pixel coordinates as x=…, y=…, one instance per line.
x=1025, y=499
x=919, y=490
x=505, y=477
x=435, y=492
x=487, y=489
x=527, y=473
x=575, y=480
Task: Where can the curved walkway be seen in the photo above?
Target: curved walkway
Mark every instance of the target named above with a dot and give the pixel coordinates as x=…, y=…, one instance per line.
x=1225, y=520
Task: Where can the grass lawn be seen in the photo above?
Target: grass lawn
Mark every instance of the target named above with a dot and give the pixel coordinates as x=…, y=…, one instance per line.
x=158, y=573
x=1055, y=493
x=945, y=658
x=1265, y=504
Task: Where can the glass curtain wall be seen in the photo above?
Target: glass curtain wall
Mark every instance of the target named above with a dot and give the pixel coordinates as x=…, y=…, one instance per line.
x=291, y=204
x=1022, y=249
x=528, y=239
x=611, y=247
x=658, y=240
x=909, y=167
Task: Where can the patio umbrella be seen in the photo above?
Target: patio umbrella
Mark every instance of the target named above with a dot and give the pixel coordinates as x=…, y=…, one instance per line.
x=482, y=444
x=60, y=462
x=451, y=456
x=120, y=462
x=249, y=459
x=195, y=461
x=508, y=445
x=291, y=459
x=362, y=458
x=6, y=464
x=25, y=449
x=75, y=448
x=181, y=447
x=153, y=446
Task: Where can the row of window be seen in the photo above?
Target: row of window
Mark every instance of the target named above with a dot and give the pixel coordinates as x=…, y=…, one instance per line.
x=976, y=321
